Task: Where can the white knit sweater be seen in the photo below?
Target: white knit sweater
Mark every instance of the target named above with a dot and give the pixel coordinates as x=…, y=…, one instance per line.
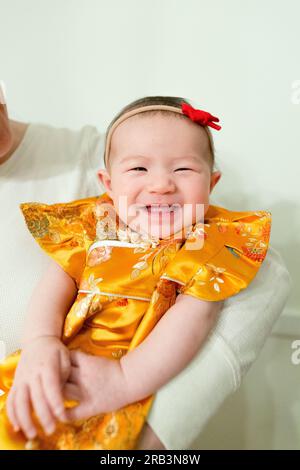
x=50, y=165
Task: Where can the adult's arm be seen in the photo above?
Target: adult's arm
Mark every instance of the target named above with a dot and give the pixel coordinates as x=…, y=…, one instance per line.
x=11, y=132
x=183, y=407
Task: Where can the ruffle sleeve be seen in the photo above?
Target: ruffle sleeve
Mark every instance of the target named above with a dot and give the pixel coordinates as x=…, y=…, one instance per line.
x=63, y=230
x=221, y=256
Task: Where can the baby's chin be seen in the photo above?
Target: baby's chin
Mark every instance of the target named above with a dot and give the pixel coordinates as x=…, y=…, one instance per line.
x=162, y=228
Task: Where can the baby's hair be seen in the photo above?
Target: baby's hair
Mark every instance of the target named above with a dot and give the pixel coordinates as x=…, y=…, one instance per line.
x=164, y=100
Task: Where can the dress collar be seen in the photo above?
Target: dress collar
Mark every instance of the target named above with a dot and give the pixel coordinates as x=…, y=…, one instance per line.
x=110, y=226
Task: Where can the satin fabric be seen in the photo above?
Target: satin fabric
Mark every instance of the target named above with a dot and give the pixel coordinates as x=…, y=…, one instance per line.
x=126, y=282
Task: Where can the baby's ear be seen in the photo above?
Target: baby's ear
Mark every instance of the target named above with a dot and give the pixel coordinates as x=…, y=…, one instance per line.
x=105, y=180
x=215, y=177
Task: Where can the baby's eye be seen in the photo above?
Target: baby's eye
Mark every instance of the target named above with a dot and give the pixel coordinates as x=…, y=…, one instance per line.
x=138, y=167
x=179, y=169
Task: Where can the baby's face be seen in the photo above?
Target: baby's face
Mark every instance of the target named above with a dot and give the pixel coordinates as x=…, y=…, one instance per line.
x=159, y=161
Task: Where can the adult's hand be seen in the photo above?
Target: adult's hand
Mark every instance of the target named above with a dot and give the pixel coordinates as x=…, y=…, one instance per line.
x=6, y=137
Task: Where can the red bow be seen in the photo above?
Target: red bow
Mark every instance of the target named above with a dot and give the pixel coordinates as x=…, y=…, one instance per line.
x=200, y=117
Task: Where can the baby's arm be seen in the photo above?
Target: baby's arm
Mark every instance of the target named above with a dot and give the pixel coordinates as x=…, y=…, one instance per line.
x=44, y=363
x=49, y=304
x=170, y=346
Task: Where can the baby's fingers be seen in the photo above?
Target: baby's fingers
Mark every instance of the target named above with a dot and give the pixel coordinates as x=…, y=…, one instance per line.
x=23, y=412
x=72, y=392
x=53, y=389
x=81, y=411
x=41, y=406
x=10, y=409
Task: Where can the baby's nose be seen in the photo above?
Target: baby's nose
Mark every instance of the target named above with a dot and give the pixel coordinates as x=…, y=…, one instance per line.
x=161, y=183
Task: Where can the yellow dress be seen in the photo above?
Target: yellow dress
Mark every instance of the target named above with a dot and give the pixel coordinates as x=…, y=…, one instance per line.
x=126, y=282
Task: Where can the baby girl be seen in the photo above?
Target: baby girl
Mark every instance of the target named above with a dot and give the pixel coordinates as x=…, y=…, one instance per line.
x=138, y=279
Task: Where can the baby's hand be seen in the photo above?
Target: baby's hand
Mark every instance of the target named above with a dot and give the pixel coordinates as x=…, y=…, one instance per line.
x=98, y=383
x=43, y=369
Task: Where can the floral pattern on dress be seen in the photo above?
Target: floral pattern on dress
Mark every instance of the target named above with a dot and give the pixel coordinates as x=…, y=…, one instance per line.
x=256, y=238
x=99, y=255
x=160, y=258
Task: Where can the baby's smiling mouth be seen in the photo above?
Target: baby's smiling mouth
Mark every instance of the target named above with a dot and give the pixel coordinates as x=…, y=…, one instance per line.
x=156, y=207
x=160, y=208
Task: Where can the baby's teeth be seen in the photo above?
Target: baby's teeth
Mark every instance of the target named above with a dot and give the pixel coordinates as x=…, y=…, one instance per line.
x=162, y=209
